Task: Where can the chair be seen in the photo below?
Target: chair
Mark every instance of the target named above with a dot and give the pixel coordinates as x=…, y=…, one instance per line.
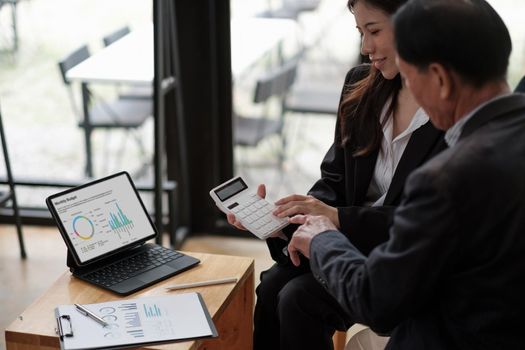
x=313, y=99
x=316, y=90
x=9, y=196
x=521, y=86
x=120, y=113
x=314, y=96
x=291, y=9
x=116, y=35
x=141, y=92
x=366, y=339
x=250, y=131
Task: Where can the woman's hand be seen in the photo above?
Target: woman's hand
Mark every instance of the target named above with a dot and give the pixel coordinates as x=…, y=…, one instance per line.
x=232, y=220
x=305, y=205
x=261, y=192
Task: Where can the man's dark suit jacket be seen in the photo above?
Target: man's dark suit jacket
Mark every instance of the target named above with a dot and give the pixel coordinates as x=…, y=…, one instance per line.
x=452, y=275
x=345, y=180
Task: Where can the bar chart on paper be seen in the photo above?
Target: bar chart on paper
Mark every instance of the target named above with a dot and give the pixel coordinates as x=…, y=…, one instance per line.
x=144, y=320
x=152, y=311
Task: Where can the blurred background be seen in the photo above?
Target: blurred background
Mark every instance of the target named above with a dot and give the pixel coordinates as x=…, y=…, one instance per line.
x=288, y=63
x=41, y=126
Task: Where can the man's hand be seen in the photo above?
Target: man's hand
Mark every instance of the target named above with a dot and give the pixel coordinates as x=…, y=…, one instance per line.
x=310, y=227
x=296, y=204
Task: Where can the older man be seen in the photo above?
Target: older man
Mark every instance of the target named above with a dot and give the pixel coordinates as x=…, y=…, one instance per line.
x=452, y=275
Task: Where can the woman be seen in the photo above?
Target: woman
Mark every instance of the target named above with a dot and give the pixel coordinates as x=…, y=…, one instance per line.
x=381, y=136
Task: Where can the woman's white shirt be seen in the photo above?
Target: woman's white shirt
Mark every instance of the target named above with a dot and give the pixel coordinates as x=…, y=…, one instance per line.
x=389, y=155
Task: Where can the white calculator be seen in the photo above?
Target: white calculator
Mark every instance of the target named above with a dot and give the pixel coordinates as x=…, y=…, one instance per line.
x=254, y=212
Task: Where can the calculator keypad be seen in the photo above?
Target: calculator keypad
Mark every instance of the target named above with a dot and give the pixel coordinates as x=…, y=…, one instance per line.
x=256, y=214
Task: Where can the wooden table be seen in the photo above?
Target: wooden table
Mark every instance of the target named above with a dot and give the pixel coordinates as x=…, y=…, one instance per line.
x=129, y=60
x=230, y=305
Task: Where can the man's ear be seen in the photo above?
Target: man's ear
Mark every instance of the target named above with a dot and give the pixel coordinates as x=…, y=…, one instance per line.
x=442, y=79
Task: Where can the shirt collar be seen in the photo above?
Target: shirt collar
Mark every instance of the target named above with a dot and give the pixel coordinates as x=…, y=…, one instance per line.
x=419, y=119
x=452, y=135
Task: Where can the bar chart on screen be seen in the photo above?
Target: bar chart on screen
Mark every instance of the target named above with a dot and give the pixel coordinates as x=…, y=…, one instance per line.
x=93, y=220
x=119, y=222
x=102, y=218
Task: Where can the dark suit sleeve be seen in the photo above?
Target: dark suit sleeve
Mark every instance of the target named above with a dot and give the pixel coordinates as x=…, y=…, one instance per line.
x=400, y=276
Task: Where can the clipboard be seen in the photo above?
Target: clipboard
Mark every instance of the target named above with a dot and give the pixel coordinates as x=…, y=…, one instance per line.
x=135, y=322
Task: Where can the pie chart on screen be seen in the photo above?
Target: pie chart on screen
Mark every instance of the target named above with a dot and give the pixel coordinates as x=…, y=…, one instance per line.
x=83, y=227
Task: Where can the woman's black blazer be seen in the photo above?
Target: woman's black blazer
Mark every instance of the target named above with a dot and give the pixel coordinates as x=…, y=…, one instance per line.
x=345, y=179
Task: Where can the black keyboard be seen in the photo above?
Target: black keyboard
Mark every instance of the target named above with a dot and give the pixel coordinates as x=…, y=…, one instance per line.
x=132, y=266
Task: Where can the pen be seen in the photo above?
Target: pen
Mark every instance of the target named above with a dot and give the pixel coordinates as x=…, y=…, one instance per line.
x=89, y=314
x=202, y=283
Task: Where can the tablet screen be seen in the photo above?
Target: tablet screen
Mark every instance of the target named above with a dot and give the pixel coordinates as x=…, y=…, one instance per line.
x=102, y=217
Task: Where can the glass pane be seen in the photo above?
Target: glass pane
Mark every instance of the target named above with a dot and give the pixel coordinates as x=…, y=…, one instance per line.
x=42, y=118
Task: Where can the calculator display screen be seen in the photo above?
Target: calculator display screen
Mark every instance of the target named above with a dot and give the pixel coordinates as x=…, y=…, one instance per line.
x=230, y=189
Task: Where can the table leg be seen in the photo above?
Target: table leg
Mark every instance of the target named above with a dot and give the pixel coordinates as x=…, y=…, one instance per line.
x=235, y=325
x=339, y=340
